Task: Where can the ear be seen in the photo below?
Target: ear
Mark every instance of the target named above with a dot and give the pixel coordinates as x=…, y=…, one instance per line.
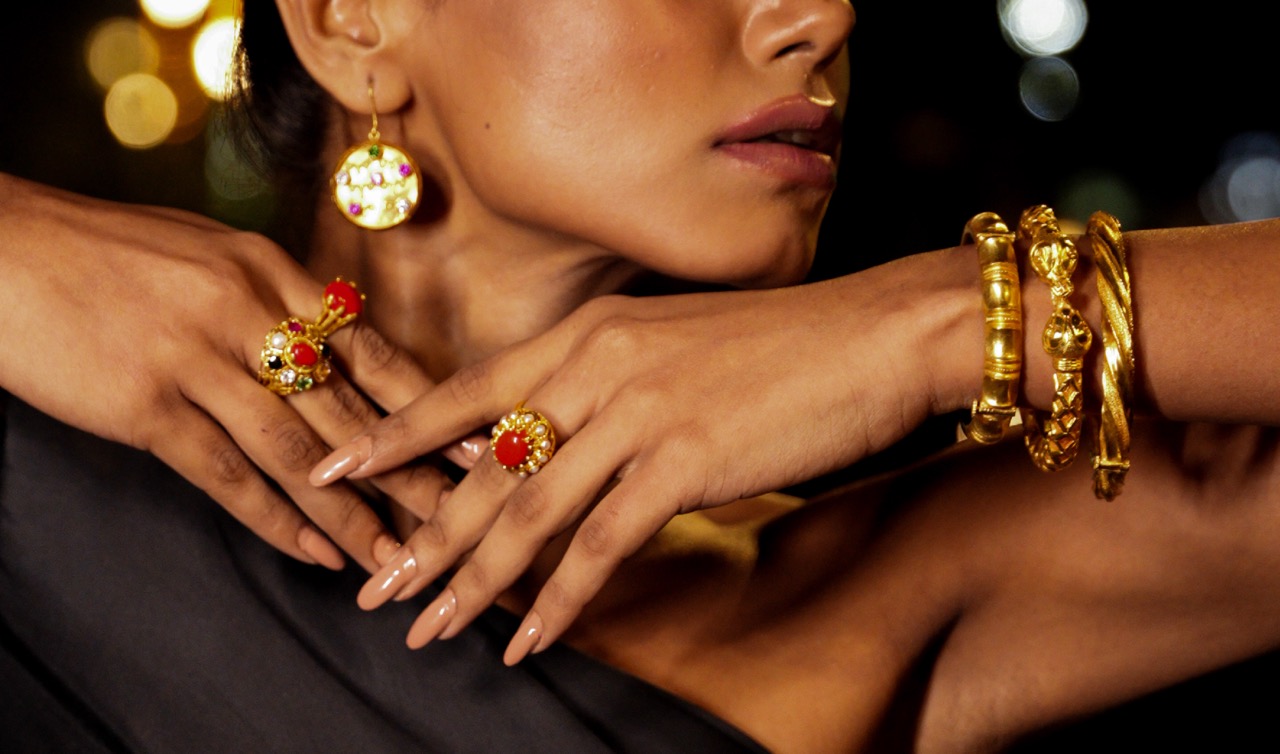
x=341, y=44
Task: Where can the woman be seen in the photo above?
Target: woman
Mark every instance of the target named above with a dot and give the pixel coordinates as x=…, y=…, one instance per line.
x=822, y=620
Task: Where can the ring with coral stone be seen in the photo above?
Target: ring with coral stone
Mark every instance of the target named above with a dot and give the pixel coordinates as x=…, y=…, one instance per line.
x=523, y=441
x=295, y=356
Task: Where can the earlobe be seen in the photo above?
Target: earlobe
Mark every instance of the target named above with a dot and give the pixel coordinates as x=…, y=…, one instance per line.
x=340, y=44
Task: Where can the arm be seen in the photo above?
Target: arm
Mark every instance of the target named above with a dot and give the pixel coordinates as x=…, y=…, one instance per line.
x=144, y=325
x=697, y=401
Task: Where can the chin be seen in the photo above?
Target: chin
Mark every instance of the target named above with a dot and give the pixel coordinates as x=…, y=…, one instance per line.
x=750, y=264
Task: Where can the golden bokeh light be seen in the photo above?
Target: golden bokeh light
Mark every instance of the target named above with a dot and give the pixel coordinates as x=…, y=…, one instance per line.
x=141, y=110
x=213, y=56
x=120, y=46
x=174, y=14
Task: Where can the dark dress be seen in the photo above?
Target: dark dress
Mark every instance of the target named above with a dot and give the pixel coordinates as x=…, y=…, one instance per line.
x=136, y=615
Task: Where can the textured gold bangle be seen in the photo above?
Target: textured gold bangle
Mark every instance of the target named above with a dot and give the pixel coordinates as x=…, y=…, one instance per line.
x=1054, y=441
x=1002, y=303
x=1111, y=453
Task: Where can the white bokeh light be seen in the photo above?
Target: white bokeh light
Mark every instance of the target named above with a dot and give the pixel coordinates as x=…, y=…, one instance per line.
x=174, y=14
x=1246, y=184
x=213, y=56
x=1049, y=88
x=1043, y=27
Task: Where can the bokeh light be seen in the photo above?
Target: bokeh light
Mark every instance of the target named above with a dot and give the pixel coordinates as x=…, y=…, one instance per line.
x=213, y=56
x=1043, y=27
x=1049, y=88
x=141, y=110
x=174, y=14
x=118, y=47
x=1246, y=184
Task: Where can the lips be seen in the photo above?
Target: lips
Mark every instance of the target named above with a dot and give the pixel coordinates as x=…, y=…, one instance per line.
x=793, y=138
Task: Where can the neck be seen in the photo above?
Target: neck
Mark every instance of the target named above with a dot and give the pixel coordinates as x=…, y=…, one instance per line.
x=453, y=291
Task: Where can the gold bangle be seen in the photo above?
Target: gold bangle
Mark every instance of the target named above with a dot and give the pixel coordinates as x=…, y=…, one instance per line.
x=1111, y=452
x=1054, y=442
x=1002, y=303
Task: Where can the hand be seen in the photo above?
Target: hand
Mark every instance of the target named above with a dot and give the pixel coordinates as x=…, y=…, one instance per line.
x=144, y=326
x=666, y=406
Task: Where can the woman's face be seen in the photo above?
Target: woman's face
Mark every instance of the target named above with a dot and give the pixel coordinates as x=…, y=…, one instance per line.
x=694, y=137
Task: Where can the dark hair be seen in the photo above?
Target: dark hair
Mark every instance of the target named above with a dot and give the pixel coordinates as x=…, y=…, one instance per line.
x=279, y=116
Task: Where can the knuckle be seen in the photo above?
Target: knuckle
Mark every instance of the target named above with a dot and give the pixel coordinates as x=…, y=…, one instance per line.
x=614, y=337
x=557, y=596
x=354, y=515
x=379, y=353
x=346, y=405
x=230, y=467
x=529, y=503
x=471, y=383
x=295, y=446
x=595, y=534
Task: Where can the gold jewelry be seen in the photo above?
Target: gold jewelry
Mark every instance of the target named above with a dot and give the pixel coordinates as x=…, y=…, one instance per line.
x=376, y=185
x=1055, y=442
x=295, y=356
x=523, y=441
x=1002, y=303
x=1111, y=453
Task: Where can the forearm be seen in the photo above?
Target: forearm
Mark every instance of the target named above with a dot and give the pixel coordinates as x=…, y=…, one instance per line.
x=1203, y=300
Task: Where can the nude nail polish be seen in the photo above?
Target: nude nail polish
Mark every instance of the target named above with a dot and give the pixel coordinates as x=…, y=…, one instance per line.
x=474, y=447
x=342, y=462
x=385, y=548
x=526, y=640
x=384, y=584
x=433, y=620
x=320, y=549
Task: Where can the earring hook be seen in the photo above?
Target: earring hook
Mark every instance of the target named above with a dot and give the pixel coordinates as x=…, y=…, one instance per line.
x=374, y=133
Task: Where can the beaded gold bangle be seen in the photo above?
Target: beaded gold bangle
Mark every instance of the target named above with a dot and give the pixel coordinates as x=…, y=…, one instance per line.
x=1054, y=442
x=1002, y=303
x=1111, y=453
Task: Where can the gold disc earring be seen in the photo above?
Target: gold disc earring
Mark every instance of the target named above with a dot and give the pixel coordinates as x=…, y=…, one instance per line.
x=376, y=185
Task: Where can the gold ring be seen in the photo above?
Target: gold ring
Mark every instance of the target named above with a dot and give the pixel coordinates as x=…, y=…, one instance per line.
x=295, y=356
x=523, y=441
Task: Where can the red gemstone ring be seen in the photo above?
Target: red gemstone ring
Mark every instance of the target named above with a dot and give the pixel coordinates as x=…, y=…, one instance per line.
x=523, y=441
x=295, y=356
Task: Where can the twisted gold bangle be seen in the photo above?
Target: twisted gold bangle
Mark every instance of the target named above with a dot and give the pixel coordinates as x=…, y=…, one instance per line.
x=1111, y=453
x=1054, y=442
x=1002, y=303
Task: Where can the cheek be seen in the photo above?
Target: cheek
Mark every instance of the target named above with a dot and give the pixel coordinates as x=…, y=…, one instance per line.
x=597, y=125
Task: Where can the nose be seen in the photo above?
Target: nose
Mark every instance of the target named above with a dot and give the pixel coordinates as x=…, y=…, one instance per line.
x=810, y=31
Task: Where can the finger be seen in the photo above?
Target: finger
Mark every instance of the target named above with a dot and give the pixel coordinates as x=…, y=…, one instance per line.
x=336, y=410
x=443, y=538
x=628, y=517
x=206, y=456
x=542, y=507
x=472, y=397
x=384, y=371
x=285, y=447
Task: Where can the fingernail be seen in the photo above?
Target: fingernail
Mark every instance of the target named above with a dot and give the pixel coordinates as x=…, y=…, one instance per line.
x=385, y=548
x=474, y=447
x=342, y=461
x=525, y=641
x=433, y=620
x=320, y=549
x=384, y=584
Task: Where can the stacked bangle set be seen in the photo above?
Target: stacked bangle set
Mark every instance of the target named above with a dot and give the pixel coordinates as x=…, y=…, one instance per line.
x=1053, y=437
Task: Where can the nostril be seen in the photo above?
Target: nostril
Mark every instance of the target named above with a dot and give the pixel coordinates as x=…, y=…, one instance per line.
x=792, y=49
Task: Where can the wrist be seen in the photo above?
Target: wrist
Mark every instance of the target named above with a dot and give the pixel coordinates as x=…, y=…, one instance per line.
x=947, y=310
